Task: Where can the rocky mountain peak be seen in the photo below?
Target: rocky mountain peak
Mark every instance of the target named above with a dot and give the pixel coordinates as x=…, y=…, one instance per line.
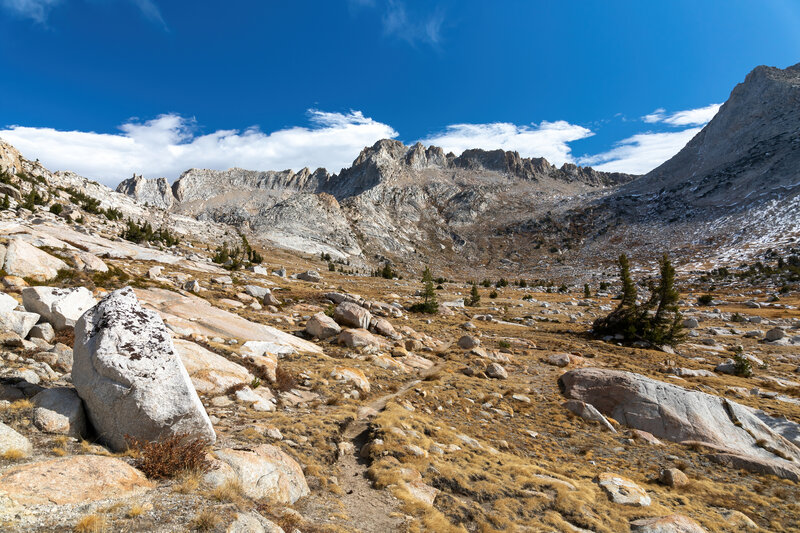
x=751, y=145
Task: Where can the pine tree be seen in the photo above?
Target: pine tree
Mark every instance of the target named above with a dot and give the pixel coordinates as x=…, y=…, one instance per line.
x=657, y=320
x=387, y=272
x=474, y=296
x=586, y=291
x=628, y=287
x=6, y=204
x=427, y=276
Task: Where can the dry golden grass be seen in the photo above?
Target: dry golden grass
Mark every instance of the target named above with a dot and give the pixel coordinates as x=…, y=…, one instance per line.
x=205, y=521
x=92, y=523
x=188, y=481
x=136, y=510
x=13, y=454
x=230, y=490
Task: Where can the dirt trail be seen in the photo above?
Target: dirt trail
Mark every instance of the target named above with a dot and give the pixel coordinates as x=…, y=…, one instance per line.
x=370, y=510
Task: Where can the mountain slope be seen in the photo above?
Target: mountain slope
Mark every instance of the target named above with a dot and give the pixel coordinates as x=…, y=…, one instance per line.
x=395, y=202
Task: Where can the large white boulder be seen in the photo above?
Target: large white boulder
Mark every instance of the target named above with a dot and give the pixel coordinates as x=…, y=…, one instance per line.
x=60, y=307
x=131, y=380
x=677, y=414
x=27, y=261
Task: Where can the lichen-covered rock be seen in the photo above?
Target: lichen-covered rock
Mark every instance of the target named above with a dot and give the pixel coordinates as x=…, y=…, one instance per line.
x=129, y=376
x=60, y=307
x=623, y=491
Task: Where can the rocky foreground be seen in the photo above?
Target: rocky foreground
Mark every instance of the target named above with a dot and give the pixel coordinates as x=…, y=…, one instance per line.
x=321, y=403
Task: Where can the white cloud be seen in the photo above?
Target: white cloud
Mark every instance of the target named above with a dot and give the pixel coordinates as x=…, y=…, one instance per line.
x=655, y=116
x=414, y=27
x=547, y=139
x=689, y=117
x=168, y=145
x=641, y=153
x=38, y=10
x=33, y=9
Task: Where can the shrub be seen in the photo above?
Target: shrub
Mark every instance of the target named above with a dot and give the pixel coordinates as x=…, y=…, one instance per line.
x=284, y=380
x=474, y=297
x=56, y=209
x=169, y=457
x=657, y=320
x=145, y=233
x=586, y=291
x=493, y=295
x=705, y=299
x=742, y=365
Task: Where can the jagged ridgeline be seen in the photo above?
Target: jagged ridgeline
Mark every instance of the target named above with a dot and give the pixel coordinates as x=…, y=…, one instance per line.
x=395, y=200
x=733, y=185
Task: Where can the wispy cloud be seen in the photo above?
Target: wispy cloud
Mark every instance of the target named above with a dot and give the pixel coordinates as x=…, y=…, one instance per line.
x=39, y=10
x=151, y=12
x=169, y=144
x=546, y=139
x=688, y=117
x=644, y=151
x=423, y=28
x=640, y=153
x=414, y=26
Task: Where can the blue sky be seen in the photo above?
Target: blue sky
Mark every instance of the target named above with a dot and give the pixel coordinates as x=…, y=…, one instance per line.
x=111, y=87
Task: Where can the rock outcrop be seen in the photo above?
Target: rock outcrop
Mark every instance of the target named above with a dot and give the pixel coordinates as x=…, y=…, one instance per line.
x=130, y=377
x=681, y=415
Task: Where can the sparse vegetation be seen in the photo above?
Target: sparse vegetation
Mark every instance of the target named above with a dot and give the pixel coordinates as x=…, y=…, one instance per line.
x=144, y=232
x=656, y=320
x=474, y=297
x=169, y=457
x=93, y=523
x=205, y=521
x=705, y=299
